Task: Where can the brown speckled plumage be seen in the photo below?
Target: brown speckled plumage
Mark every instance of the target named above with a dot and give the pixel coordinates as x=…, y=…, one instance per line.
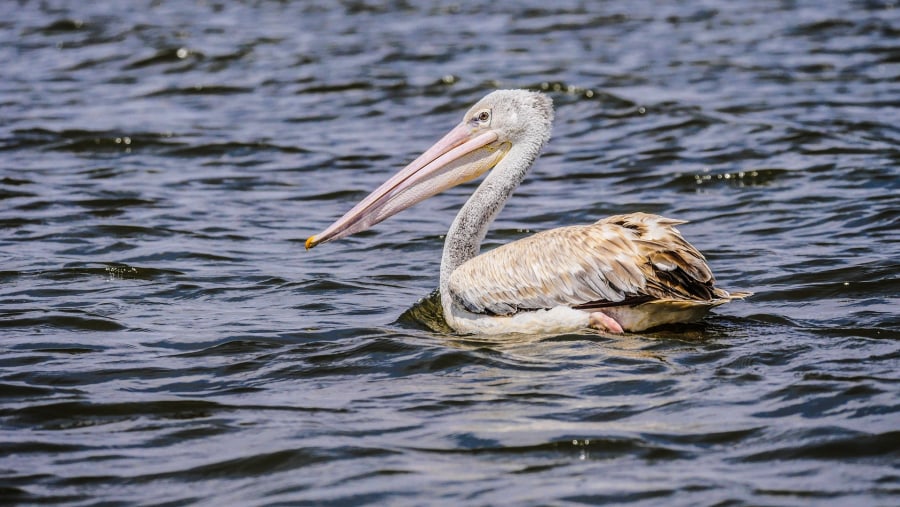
x=619, y=260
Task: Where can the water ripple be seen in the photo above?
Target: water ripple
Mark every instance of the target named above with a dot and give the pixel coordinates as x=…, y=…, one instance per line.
x=167, y=340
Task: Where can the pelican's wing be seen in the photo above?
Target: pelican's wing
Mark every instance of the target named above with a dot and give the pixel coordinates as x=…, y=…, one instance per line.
x=624, y=259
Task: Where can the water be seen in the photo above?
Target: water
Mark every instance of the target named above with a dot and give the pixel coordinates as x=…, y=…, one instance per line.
x=166, y=339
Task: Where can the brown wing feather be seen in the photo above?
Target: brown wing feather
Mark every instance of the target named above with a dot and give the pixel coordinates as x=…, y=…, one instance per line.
x=624, y=259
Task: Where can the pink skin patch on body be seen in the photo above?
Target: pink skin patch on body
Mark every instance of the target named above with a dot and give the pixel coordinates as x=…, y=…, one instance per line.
x=603, y=322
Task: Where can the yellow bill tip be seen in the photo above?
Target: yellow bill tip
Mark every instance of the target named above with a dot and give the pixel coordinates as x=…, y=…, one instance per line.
x=311, y=242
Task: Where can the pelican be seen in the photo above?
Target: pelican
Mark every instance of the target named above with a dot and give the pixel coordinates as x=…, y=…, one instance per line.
x=623, y=273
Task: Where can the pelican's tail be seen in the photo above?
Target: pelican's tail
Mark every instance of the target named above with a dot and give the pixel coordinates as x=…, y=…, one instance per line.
x=729, y=296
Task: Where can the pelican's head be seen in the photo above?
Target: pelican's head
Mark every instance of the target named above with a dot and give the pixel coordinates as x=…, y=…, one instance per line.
x=501, y=121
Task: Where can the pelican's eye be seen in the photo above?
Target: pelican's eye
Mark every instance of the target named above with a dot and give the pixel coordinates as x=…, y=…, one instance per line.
x=482, y=117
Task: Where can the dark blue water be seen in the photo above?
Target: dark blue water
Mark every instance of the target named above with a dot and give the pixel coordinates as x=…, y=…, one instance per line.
x=165, y=338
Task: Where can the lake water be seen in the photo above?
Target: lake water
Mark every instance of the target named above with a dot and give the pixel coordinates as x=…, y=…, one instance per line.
x=165, y=338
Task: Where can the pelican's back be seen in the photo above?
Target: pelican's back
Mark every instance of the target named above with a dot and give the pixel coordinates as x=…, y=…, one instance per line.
x=627, y=265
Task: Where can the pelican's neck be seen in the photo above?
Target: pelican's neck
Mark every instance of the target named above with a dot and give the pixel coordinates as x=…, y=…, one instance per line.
x=464, y=238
